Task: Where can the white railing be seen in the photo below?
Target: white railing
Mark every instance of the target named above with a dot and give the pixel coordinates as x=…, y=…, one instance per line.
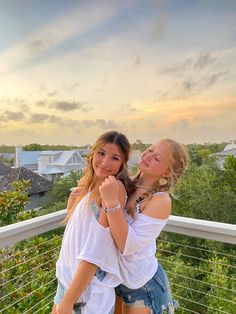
x=204, y=282
x=210, y=230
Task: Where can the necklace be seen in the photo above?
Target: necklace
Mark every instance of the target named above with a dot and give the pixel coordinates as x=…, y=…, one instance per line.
x=143, y=186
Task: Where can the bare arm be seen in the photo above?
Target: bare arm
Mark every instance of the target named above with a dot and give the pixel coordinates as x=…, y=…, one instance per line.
x=72, y=197
x=82, y=278
x=125, y=237
x=113, y=193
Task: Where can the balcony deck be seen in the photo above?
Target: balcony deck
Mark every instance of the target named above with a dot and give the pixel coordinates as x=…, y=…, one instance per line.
x=199, y=257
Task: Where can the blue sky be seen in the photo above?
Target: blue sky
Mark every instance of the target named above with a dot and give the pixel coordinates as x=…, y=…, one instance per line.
x=69, y=70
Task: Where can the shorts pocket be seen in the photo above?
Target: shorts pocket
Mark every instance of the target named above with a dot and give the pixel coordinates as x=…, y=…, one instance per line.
x=159, y=279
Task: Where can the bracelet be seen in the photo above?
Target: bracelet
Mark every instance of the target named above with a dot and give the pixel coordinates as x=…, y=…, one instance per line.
x=113, y=209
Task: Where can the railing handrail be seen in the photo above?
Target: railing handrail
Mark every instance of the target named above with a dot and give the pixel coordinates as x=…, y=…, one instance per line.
x=210, y=230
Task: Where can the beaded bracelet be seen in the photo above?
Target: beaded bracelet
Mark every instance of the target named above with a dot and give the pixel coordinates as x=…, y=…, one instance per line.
x=113, y=209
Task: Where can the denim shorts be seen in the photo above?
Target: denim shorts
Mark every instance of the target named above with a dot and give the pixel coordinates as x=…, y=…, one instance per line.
x=59, y=296
x=155, y=294
x=77, y=306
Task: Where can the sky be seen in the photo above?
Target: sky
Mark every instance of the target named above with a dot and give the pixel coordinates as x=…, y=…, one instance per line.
x=71, y=70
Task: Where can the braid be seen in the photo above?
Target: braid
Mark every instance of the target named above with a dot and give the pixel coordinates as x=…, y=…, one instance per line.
x=178, y=163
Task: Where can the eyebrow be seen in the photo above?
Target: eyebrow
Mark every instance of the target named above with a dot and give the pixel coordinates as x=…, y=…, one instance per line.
x=159, y=155
x=112, y=154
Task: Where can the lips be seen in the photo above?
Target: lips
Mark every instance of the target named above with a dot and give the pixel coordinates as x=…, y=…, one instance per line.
x=103, y=170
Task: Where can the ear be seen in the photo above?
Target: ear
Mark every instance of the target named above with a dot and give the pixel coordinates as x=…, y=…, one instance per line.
x=167, y=173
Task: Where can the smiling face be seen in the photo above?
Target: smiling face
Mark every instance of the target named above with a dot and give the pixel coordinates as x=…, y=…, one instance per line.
x=156, y=160
x=107, y=161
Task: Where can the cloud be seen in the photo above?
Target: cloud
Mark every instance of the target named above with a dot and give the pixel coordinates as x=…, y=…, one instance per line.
x=101, y=123
x=43, y=90
x=12, y=116
x=70, y=87
x=54, y=119
x=66, y=106
x=42, y=117
x=203, y=60
x=38, y=118
x=210, y=80
x=125, y=108
x=13, y=101
x=69, y=106
x=68, y=27
x=204, y=83
x=177, y=68
x=41, y=103
x=41, y=43
x=181, y=124
x=189, y=84
x=25, y=108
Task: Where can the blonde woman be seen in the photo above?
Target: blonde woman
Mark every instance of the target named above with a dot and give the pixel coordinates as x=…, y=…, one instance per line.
x=145, y=287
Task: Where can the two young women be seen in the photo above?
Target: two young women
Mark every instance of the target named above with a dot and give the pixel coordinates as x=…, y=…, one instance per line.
x=101, y=220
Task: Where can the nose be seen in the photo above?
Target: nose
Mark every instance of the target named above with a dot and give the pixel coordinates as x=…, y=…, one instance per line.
x=105, y=161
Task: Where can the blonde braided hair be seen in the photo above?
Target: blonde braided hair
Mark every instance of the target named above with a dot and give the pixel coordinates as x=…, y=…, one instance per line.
x=178, y=162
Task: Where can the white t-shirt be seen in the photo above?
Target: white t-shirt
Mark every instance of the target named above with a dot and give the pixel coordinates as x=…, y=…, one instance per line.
x=138, y=262
x=85, y=239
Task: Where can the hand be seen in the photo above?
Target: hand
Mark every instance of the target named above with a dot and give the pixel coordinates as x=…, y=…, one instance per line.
x=64, y=308
x=72, y=197
x=109, y=191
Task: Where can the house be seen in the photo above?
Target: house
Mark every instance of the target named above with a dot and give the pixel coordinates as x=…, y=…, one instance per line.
x=134, y=158
x=84, y=151
x=229, y=150
x=37, y=190
x=50, y=164
x=7, y=156
x=4, y=169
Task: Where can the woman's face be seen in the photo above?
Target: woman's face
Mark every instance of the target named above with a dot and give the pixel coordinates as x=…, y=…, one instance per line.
x=155, y=161
x=107, y=161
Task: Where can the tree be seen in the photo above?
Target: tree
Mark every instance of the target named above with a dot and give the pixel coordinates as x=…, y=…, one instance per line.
x=33, y=147
x=229, y=172
x=61, y=188
x=204, y=193
x=139, y=145
x=12, y=203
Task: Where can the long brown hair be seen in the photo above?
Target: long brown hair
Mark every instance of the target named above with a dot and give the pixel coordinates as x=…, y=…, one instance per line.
x=88, y=180
x=178, y=162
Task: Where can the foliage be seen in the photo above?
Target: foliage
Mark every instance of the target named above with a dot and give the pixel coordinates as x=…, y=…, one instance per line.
x=27, y=274
x=139, y=145
x=229, y=172
x=32, y=147
x=7, y=149
x=205, y=193
x=8, y=162
x=39, y=147
x=12, y=203
x=202, y=280
x=61, y=187
x=199, y=152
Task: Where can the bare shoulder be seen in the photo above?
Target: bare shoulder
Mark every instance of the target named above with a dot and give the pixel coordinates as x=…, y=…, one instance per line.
x=159, y=206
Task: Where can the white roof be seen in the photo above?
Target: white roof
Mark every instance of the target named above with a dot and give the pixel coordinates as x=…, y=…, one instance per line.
x=31, y=157
x=65, y=156
x=52, y=171
x=230, y=146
